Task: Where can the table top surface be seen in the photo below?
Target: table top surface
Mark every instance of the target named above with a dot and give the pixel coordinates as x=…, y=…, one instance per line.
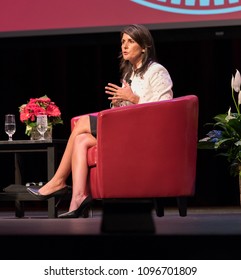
x=30, y=142
x=31, y=145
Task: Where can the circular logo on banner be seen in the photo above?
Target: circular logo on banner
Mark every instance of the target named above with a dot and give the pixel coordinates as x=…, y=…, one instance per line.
x=193, y=7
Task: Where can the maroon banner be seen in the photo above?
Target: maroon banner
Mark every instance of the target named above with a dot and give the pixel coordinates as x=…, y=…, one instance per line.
x=36, y=15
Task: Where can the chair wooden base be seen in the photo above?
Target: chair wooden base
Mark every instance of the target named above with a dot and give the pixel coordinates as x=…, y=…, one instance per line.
x=127, y=216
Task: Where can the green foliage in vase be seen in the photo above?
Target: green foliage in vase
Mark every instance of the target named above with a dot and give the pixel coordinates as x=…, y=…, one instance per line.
x=225, y=136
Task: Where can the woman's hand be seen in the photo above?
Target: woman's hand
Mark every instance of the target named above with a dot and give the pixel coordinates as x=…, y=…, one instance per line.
x=119, y=94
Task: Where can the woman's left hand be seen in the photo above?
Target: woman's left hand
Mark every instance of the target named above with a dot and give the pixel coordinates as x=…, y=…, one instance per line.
x=121, y=93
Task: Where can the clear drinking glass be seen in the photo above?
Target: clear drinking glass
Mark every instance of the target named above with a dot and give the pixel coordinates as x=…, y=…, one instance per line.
x=10, y=126
x=42, y=125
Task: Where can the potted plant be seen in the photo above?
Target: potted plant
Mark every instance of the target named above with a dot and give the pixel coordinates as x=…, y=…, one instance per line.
x=225, y=135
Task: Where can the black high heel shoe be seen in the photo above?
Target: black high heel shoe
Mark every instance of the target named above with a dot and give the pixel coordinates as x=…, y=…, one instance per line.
x=82, y=210
x=35, y=192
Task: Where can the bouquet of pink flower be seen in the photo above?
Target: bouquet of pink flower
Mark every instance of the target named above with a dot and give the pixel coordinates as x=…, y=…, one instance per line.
x=39, y=106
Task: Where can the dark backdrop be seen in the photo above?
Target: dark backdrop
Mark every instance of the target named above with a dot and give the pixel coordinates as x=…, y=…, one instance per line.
x=74, y=69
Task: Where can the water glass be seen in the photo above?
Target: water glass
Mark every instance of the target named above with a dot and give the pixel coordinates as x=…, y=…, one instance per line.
x=10, y=126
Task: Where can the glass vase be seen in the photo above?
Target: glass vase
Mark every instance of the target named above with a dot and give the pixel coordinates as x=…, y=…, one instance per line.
x=36, y=136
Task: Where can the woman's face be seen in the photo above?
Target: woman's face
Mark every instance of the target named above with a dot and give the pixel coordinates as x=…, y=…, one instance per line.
x=131, y=50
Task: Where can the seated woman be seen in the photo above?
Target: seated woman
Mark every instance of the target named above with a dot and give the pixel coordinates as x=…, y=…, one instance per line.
x=143, y=80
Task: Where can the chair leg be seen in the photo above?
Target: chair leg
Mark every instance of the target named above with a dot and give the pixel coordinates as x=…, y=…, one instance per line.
x=159, y=206
x=182, y=205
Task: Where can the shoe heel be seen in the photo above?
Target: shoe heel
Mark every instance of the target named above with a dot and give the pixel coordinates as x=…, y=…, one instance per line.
x=61, y=198
x=85, y=212
x=91, y=212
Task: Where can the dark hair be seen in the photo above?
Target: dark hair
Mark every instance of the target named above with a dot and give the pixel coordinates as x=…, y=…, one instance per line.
x=143, y=37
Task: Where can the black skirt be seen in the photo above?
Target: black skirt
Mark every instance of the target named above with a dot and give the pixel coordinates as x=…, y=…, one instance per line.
x=93, y=125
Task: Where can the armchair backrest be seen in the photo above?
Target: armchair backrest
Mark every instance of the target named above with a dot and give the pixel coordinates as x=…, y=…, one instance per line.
x=148, y=150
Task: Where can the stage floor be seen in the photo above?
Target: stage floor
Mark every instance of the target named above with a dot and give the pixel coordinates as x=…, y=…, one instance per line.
x=199, y=221
x=205, y=233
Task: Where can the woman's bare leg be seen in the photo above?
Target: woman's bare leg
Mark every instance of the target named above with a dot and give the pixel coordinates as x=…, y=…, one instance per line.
x=58, y=181
x=80, y=169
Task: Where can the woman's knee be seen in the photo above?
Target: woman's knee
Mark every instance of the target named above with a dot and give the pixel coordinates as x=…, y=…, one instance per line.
x=82, y=125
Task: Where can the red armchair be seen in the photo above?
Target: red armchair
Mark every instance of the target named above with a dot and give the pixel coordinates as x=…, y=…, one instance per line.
x=145, y=151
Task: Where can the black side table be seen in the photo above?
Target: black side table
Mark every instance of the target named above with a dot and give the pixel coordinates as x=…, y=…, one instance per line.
x=52, y=148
